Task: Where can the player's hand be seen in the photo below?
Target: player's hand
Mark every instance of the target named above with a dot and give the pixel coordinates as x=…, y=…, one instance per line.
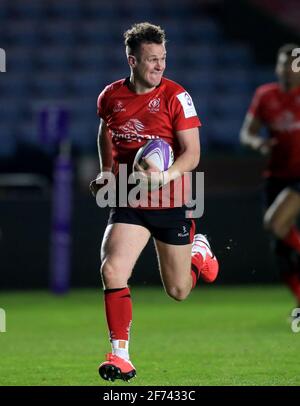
x=266, y=145
x=149, y=173
x=94, y=186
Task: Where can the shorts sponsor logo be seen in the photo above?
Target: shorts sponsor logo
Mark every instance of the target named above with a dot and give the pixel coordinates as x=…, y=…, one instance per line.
x=184, y=233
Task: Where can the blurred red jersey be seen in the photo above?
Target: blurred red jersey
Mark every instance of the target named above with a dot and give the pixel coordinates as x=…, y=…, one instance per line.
x=133, y=119
x=279, y=111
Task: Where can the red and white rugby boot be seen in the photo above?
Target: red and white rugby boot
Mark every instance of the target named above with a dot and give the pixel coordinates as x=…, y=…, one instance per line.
x=116, y=368
x=210, y=267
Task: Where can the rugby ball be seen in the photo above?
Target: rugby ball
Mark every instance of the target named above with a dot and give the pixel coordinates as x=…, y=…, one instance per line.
x=158, y=152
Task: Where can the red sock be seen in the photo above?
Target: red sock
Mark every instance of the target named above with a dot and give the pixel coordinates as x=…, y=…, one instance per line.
x=292, y=239
x=293, y=282
x=118, y=308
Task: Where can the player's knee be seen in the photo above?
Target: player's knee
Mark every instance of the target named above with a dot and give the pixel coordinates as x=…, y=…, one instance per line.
x=177, y=293
x=110, y=272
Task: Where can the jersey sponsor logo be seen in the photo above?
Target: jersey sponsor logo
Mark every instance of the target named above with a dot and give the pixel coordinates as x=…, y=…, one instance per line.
x=132, y=126
x=286, y=122
x=119, y=107
x=154, y=105
x=187, y=104
x=130, y=131
x=129, y=137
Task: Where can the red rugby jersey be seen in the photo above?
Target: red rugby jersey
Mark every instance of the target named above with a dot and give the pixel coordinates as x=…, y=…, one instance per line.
x=279, y=111
x=133, y=118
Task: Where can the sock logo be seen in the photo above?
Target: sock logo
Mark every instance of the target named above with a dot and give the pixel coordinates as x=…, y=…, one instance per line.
x=295, y=324
x=2, y=60
x=2, y=321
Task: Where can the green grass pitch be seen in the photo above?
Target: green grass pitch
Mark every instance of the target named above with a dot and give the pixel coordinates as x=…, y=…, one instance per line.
x=218, y=336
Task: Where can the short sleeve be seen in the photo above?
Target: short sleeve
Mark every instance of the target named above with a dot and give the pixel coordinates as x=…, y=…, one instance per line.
x=184, y=115
x=101, y=104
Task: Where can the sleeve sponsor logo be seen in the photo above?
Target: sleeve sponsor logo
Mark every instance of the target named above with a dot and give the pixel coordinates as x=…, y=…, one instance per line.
x=187, y=104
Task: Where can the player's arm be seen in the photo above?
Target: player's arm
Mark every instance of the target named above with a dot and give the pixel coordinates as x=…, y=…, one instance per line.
x=105, y=154
x=187, y=160
x=189, y=155
x=249, y=135
x=104, y=148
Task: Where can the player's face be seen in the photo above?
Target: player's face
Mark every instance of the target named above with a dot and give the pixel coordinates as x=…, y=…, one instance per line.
x=150, y=64
x=287, y=77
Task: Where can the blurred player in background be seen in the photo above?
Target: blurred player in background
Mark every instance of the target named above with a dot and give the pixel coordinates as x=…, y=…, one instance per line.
x=276, y=106
x=131, y=109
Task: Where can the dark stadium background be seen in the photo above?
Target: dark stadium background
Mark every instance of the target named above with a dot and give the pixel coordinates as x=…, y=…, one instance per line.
x=60, y=54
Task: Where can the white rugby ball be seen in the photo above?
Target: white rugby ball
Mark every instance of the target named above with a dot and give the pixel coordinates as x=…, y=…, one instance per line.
x=158, y=152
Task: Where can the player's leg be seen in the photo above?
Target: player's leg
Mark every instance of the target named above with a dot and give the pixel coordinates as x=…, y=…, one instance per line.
x=121, y=247
x=288, y=261
x=183, y=256
x=281, y=216
x=280, y=219
x=182, y=265
x=175, y=268
x=122, y=244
